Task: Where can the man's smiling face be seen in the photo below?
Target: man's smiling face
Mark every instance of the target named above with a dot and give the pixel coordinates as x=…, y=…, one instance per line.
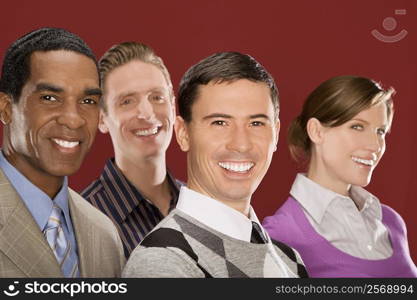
x=230, y=139
x=54, y=123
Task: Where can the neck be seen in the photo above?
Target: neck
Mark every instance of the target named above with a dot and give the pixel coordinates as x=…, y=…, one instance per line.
x=149, y=176
x=48, y=183
x=241, y=205
x=318, y=173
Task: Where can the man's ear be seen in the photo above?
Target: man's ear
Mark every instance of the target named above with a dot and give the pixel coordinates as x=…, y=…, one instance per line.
x=101, y=124
x=315, y=131
x=5, y=108
x=277, y=128
x=181, y=133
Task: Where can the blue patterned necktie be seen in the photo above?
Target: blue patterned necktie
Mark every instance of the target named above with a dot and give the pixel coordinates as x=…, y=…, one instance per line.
x=60, y=245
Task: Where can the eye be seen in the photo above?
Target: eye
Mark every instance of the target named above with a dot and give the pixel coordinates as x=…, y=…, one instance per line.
x=126, y=101
x=49, y=98
x=257, y=123
x=357, y=127
x=89, y=101
x=219, y=123
x=381, y=131
x=157, y=98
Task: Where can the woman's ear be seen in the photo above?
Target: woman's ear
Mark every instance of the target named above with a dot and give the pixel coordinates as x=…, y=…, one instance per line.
x=315, y=131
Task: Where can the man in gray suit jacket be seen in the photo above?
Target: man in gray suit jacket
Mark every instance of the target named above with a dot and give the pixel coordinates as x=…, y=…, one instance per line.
x=49, y=95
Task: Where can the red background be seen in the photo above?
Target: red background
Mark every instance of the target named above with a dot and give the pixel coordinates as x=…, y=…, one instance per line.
x=301, y=43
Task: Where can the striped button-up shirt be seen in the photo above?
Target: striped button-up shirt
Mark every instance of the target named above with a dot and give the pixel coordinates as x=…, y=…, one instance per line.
x=133, y=215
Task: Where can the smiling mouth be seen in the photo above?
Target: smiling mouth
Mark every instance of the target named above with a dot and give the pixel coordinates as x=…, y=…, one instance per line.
x=366, y=162
x=242, y=167
x=66, y=144
x=147, y=132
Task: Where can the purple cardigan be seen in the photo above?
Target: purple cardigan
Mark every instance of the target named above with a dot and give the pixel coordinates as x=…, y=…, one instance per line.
x=290, y=225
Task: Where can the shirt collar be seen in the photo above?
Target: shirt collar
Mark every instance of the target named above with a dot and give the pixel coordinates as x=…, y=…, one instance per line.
x=38, y=202
x=217, y=215
x=368, y=201
x=125, y=193
x=316, y=199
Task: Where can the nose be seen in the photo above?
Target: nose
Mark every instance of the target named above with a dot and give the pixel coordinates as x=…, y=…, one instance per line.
x=70, y=115
x=145, y=110
x=239, y=140
x=375, y=143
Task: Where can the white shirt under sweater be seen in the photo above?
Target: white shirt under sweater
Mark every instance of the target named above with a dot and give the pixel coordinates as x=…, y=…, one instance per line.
x=224, y=219
x=336, y=218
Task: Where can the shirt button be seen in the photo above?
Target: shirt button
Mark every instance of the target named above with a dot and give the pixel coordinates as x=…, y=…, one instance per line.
x=369, y=247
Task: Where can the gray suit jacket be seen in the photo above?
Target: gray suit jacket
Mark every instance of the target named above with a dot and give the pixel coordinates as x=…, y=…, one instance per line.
x=24, y=251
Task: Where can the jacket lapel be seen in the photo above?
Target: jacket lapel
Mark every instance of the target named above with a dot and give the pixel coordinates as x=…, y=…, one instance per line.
x=83, y=235
x=21, y=240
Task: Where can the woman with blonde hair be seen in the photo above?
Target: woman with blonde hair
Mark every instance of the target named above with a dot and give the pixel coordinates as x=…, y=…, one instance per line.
x=339, y=228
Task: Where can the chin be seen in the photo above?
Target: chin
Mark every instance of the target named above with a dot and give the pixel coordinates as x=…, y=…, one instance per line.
x=63, y=170
x=236, y=194
x=362, y=182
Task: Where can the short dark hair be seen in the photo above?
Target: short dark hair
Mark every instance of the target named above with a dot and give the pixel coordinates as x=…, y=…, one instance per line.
x=218, y=68
x=16, y=63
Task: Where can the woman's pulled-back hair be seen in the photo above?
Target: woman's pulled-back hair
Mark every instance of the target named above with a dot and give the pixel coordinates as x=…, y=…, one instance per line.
x=333, y=103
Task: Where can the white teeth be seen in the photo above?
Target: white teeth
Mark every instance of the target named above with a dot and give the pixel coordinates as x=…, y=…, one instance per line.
x=236, y=167
x=66, y=144
x=147, y=132
x=368, y=162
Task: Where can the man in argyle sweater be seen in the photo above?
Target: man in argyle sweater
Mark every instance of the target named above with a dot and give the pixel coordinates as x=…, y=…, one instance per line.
x=228, y=125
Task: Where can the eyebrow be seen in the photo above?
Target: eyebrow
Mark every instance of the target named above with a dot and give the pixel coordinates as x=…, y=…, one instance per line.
x=57, y=89
x=157, y=89
x=48, y=87
x=225, y=116
x=217, y=115
x=93, y=92
x=257, y=116
x=364, y=121
x=126, y=94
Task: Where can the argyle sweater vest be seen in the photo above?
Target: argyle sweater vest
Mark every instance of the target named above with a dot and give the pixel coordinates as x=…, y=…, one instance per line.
x=290, y=225
x=181, y=246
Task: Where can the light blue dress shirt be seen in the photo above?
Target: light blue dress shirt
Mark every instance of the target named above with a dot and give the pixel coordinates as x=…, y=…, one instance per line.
x=38, y=203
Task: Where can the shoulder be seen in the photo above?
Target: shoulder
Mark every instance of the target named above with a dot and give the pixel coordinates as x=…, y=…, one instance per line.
x=292, y=258
x=168, y=234
x=392, y=218
x=179, y=183
x=283, y=220
x=90, y=213
x=98, y=237
x=158, y=262
x=93, y=190
x=8, y=195
x=388, y=211
x=164, y=252
x=161, y=262
x=284, y=211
